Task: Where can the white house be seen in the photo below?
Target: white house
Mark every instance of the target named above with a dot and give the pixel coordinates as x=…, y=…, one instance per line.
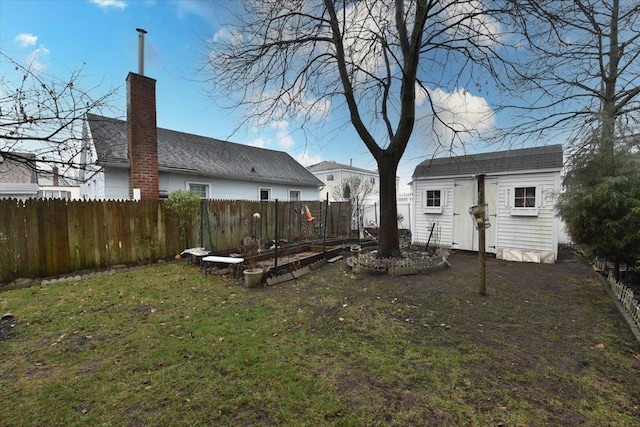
x=521, y=189
x=135, y=159
x=213, y=168
x=333, y=175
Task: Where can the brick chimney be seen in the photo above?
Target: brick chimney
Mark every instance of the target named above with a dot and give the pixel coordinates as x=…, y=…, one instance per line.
x=56, y=177
x=142, y=136
x=142, y=133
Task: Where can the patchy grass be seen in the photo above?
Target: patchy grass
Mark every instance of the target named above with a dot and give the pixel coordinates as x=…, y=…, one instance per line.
x=166, y=345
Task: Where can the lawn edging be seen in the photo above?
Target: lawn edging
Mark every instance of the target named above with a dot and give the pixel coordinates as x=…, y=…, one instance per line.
x=624, y=300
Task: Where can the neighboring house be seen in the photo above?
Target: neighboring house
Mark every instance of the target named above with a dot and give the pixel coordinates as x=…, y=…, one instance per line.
x=18, y=179
x=52, y=185
x=405, y=210
x=521, y=189
x=212, y=168
x=134, y=159
x=333, y=175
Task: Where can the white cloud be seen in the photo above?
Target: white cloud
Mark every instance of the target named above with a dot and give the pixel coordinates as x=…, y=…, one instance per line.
x=459, y=117
x=105, y=4
x=279, y=125
x=258, y=142
x=285, y=140
x=36, y=59
x=305, y=159
x=478, y=26
x=225, y=34
x=25, y=39
x=203, y=9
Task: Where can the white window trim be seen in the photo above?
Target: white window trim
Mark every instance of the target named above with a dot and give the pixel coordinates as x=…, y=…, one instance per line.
x=333, y=178
x=299, y=194
x=530, y=211
x=434, y=209
x=260, y=189
x=205, y=184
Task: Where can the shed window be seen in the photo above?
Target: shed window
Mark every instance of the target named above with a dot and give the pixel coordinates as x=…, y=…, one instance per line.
x=265, y=194
x=433, y=198
x=524, y=197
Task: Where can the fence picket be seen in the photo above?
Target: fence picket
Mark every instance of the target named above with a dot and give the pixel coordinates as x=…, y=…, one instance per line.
x=626, y=296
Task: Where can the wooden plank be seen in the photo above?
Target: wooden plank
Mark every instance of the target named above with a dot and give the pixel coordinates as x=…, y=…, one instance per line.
x=223, y=259
x=61, y=232
x=41, y=258
x=10, y=240
x=73, y=241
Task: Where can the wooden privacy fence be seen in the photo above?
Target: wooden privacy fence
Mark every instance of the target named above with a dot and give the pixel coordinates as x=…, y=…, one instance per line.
x=44, y=238
x=225, y=224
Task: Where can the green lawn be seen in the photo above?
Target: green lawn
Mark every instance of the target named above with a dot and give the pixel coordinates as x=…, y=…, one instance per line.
x=167, y=345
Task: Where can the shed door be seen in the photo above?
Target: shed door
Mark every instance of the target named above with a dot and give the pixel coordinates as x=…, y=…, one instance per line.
x=465, y=195
x=465, y=235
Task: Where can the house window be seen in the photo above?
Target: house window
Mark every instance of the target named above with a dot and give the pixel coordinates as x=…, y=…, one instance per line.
x=265, y=194
x=524, y=197
x=294, y=195
x=330, y=177
x=201, y=190
x=433, y=198
x=373, y=180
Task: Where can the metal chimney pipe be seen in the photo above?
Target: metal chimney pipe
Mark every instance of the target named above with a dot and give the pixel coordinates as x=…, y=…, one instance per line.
x=141, y=34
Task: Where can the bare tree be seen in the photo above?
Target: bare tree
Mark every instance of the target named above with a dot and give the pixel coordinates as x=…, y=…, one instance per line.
x=42, y=115
x=581, y=68
x=354, y=189
x=301, y=58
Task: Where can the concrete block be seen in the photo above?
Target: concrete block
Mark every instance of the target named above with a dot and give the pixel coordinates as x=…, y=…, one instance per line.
x=301, y=272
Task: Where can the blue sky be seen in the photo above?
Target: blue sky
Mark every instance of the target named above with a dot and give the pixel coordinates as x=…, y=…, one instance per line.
x=100, y=35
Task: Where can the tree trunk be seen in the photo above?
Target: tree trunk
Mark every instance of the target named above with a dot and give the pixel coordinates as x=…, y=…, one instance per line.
x=389, y=244
x=609, y=108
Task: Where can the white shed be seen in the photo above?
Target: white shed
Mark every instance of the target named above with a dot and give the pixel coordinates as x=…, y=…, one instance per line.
x=521, y=189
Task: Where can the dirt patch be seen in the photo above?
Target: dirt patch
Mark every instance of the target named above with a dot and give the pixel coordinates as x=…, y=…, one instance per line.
x=540, y=331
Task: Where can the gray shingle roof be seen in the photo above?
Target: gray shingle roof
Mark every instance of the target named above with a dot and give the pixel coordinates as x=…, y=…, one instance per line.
x=199, y=155
x=534, y=158
x=327, y=166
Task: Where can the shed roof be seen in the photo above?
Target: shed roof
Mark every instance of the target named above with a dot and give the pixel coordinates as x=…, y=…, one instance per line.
x=547, y=157
x=199, y=155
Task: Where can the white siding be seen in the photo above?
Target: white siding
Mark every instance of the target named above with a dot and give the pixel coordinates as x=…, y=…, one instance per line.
x=116, y=184
x=424, y=218
x=20, y=191
x=537, y=232
x=529, y=233
x=234, y=190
